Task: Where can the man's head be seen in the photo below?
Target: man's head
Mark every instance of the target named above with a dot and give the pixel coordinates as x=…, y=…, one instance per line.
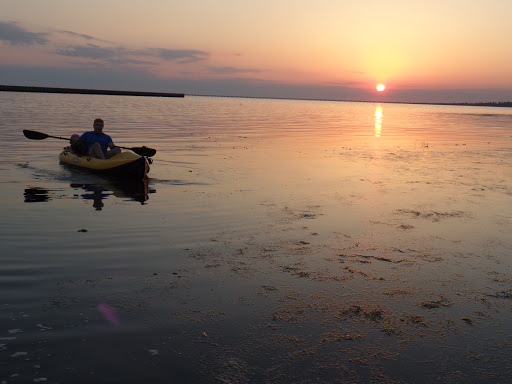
x=98, y=126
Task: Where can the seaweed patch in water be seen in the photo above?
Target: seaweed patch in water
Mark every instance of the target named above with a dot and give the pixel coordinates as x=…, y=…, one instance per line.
x=340, y=336
x=442, y=302
x=357, y=311
x=507, y=294
x=433, y=215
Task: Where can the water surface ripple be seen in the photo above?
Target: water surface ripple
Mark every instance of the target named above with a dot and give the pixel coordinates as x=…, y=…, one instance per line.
x=276, y=241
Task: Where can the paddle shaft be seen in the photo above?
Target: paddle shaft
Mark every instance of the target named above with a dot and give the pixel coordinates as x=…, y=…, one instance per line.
x=33, y=135
x=63, y=138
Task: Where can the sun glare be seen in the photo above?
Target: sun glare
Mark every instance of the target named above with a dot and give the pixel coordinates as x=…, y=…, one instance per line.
x=381, y=87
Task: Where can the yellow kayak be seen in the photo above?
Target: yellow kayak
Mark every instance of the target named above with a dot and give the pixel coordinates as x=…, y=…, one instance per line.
x=125, y=165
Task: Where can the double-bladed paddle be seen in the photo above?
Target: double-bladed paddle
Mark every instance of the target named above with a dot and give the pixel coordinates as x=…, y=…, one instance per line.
x=33, y=135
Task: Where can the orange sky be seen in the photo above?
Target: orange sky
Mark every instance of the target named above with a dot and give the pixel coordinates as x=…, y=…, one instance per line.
x=262, y=48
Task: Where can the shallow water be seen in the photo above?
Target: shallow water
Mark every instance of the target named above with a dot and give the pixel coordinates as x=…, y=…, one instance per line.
x=276, y=241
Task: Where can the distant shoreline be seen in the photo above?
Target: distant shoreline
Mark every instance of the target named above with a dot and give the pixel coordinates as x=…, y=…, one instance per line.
x=19, y=88
x=507, y=104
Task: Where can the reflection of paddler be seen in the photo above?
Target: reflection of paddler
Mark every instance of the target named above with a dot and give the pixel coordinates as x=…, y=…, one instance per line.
x=97, y=195
x=98, y=204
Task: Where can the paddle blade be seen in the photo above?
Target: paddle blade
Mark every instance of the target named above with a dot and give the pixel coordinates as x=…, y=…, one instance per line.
x=144, y=151
x=33, y=135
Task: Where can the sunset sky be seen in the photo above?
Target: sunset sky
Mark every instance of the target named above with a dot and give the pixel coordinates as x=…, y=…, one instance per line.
x=423, y=51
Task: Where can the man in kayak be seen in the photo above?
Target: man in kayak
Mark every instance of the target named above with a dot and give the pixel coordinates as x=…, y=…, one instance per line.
x=99, y=144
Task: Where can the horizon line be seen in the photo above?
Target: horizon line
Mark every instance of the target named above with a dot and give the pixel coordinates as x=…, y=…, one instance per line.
x=40, y=89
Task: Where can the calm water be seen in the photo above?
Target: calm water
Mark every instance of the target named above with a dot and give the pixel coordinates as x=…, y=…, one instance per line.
x=276, y=241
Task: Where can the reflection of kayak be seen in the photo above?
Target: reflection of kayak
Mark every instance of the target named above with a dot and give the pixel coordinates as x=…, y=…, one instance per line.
x=137, y=190
x=126, y=164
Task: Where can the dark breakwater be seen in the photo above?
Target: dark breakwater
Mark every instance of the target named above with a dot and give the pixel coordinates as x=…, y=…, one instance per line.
x=18, y=88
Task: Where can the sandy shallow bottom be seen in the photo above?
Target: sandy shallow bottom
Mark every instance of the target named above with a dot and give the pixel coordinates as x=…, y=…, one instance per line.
x=400, y=297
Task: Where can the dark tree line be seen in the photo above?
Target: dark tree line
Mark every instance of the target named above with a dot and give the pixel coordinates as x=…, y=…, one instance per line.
x=489, y=104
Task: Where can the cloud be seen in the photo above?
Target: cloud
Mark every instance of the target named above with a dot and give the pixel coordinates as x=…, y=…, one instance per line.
x=78, y=45
x=90, y=51
x=14, y=35
x=74, y=34
x=126, y=60
x=346, y=84
x=121, y=55
x=231, y=70
x=183, y=56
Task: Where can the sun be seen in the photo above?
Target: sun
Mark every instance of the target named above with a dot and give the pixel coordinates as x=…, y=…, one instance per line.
x=381, y=87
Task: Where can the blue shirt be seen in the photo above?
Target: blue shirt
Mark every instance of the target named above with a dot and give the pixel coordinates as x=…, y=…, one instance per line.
x=90, y=138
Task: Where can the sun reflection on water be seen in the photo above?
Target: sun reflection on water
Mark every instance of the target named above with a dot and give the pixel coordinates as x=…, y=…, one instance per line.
x=378, y=120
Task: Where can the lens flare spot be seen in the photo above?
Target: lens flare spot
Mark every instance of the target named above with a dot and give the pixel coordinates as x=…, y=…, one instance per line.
x=108, y=312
